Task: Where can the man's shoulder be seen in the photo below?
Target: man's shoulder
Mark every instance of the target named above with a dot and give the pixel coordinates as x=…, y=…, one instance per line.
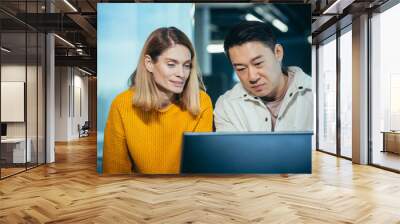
x=300, y=77
x=235, y=93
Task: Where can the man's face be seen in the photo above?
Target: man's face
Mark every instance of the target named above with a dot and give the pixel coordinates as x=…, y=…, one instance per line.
x=258, y=67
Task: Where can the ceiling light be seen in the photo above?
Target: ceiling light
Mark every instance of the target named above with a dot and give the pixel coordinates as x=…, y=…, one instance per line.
x=277, y=23
x=84, y=71
x=192, y=13
x=309, y=39
x=328, y=10
x=251, y=17
x=280, y=25
x=215, y=48
x=70, y=5
x=65, y=41
x=5, y=50
x=192, y=10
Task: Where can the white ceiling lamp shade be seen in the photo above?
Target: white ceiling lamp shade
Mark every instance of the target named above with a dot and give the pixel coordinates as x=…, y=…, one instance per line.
x=280, y=25
x=5, y=50
x=84, y=71
x=269, y=17
x=215, y=48
x=251, y=17
x=337, y=7
x=70, y=5
x=65, y=41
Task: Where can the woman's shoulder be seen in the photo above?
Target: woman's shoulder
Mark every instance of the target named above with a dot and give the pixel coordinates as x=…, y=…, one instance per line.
x=205, y=100
x=124, y=98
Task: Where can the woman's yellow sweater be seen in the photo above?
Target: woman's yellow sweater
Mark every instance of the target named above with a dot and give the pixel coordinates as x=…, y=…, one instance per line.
x=149, y=142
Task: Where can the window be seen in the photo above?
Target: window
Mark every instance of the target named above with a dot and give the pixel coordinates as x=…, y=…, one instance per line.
x=346, y=94
x=22, y=66
x=327, y=96
x=385, y=89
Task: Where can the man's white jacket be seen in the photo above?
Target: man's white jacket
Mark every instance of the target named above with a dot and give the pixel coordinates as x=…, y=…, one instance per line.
x=237, y=110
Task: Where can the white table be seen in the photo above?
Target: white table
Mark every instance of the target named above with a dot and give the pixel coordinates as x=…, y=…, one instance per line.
x=18, y=145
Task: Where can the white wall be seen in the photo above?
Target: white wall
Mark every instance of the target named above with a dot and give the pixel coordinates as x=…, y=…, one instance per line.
x=12, y=73
x=62, y=81
x=34, y=124
x=71, y=94
x=81, y=102
x=15, y=72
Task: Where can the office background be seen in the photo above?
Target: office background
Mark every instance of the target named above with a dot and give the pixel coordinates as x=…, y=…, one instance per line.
x=356, y=75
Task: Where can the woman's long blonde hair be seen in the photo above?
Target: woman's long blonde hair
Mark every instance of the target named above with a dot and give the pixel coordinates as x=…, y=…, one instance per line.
x=147, y=95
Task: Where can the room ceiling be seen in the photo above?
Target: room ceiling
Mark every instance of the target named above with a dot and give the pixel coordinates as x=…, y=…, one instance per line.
x=76, y=22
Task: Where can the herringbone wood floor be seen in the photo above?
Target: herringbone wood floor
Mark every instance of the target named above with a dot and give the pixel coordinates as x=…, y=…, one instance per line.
x=70, y=191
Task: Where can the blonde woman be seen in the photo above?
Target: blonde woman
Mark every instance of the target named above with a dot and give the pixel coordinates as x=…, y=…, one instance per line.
x=145, y=124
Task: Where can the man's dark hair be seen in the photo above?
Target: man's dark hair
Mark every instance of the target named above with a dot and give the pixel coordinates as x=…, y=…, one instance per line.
x=249, y=31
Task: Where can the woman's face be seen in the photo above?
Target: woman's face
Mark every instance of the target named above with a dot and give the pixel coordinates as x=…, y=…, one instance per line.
x=172, y=69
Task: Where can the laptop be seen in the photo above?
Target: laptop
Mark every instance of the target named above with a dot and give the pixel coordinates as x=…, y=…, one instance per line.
x=246, y=152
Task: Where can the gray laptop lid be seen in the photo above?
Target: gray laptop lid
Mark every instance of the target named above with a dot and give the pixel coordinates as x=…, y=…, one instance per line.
x=246, y=152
